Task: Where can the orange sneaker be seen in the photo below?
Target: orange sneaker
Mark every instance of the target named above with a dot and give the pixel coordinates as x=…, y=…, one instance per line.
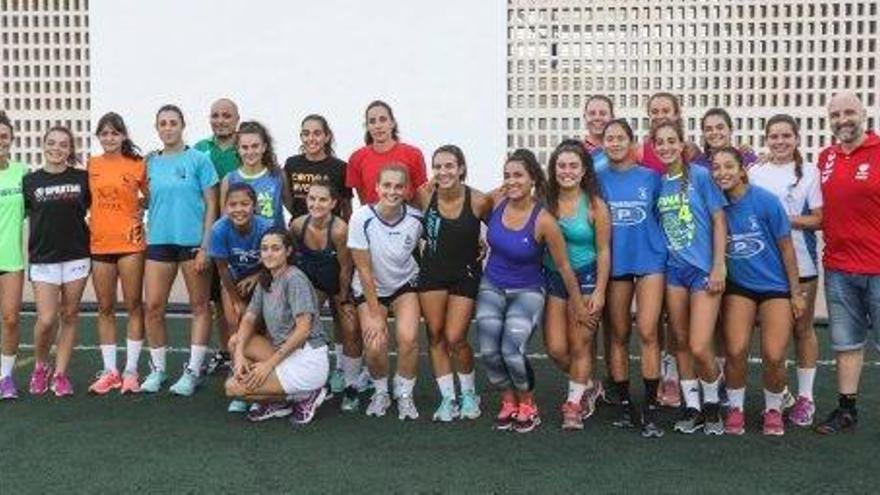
x=506, y=416
x=130, y=383
x=527, y=418
x=572, y=416
x=107, y=381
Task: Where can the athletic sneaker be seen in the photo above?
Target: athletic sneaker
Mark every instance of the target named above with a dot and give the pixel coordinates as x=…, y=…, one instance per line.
x=447, y=411
x=712, y=422
x=527, y=418
x=187, y=383
x=61, y=385
x=364, y=382
x=626, y=414
x=237, y=406
x=669, y=393
x=650, y=428
x=839, y=420
x=572, y=416
x=130, y=383
x=406, y=407
x=350, y=400
x=788, y=400
x=304, y=409
x=470, y=406
x=154, y=381
x=40, y=379
x=609, y=393
x=506, y=416
x=691, y=421
x=263, y=412
x=220, y=362
x=379, y=404
x=336, y=381
x=735, y=421
x=773, y=423
x=803, y=411
x=590, y=397
x=8, y=390
x=107, y=381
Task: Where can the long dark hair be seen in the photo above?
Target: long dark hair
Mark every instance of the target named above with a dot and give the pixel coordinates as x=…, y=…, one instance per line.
x=115, y=122
x=533, y=168
x=379, y=103
x=265, y=276
x=328, y=148
x=782, y=118
x=676, y=126
x=269, y=159
x=72, y=158
x=459, y=158
x=715, y=112
x=589, y=184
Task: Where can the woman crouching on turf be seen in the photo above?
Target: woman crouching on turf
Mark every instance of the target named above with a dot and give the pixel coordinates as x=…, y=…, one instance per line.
x=56, y=200
x=322, y=254
x=638, y=261
x=573, y=199
x=762, y=282
x=511, y=296
x=289, y=361
x=690, y=207
x=450, y=278
x=235, y=251
x=382, y=239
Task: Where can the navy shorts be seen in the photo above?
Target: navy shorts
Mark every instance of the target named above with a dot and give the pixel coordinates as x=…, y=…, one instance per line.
x=387, y=301
x=171, y=253
x=555, y=285
x=732, y=289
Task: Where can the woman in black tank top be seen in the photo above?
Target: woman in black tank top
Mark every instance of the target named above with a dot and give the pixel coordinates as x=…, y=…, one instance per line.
x=450, y=277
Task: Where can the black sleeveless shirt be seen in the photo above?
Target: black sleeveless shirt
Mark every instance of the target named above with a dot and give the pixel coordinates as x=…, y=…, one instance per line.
x=452, y=245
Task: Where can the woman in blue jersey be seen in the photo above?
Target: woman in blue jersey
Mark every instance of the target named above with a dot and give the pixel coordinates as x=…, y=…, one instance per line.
x=259, y=168
x=181, y=212
x=690, y=207
x=638, y=263
x=796, y=184
x=762, y=283
x=511, y=296
x=573, y=198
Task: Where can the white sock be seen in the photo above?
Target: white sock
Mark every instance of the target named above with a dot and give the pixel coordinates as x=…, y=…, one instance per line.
x=132, y=355
x=691, y=391
x=736, y=397
x=108, y=355
x=337, y=350
x=772, y=400
x=196, y=356
x=7, y=364
x=446, y=384
x=805, y=377
x=381, y=384
x=157, y=356
x=466, y=380
x=576, y=391
x=351, y=369
x=404, y=386
x=710, y=391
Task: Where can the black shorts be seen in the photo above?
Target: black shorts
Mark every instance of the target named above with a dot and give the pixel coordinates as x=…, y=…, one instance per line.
x=758, y=297
x=466, y=286
x=171, y=253
x=216, y=285
x=811, y=278
x=632, y=277
x=387, y=300
x=111, y=258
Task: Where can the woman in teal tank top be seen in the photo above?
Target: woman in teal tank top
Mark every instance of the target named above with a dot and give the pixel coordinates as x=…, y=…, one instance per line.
x=11, y=256
x=573, y=198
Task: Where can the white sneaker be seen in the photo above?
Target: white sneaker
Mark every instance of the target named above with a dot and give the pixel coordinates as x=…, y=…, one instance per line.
x=379, y=404
x=406, y=408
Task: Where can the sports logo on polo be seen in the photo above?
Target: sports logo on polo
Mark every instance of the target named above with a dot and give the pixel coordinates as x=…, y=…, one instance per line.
x=643, y=193
x=626, y=213
x=862, y=171
x=744, y=245
x=828, y=167
x=753, y=222
x=59, y=192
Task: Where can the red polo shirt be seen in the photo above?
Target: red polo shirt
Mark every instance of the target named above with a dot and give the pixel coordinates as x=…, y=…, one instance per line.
x=365, y=164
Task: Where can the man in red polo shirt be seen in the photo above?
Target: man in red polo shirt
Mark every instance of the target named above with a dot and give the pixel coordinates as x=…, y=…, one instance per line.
x=850, y=177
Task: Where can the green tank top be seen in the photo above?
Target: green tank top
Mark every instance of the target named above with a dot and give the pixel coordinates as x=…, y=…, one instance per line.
x=12, y=217
x=580, y=238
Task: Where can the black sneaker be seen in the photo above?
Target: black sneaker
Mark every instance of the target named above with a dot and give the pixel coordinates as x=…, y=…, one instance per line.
x=691, y=421
x=650, y=428
x=610, y=397
x=221, y=362
x=713, y=424
x=626, y=415
x=838, y=421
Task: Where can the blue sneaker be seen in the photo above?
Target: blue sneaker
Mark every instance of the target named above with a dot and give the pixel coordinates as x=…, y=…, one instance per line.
x=153, y=382
x=337, y=382
x=470, y=406
x=447, y=411
x=187, y=383
x=237, y=406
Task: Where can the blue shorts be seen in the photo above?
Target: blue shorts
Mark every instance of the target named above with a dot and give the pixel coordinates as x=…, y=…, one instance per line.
x=171, y=253
x=690, y=277
x=853, y=309
x=555, y=285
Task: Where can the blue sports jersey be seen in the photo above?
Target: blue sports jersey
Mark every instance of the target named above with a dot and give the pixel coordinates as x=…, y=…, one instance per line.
x=637, y=243
x=756, y=223
x=600, y=159
x=686, y=217
x=268, y=189
x=241, y=250
x=176, y=212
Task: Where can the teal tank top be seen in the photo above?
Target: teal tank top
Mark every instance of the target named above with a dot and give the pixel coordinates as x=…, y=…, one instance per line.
x=580, y=238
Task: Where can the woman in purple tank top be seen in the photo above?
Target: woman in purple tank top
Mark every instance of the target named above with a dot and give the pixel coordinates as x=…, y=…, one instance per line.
x=511, y=297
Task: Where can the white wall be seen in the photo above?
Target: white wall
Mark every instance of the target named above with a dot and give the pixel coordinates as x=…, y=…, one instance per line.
x=440, y=64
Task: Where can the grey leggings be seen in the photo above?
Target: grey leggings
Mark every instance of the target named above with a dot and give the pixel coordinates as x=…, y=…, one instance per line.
x=505, y=322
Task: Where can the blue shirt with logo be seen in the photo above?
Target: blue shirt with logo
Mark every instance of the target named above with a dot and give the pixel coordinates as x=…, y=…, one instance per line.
x=268, y=187
x=241, y=250
x=756, y=223
x=637, y=243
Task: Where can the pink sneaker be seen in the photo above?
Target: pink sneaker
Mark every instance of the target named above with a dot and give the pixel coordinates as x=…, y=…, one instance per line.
x=669, y=393
x=130, y=384
x=735, y=421
x=40, y=379
x=107, y=381
x=802, y=412
x=61, y=385
x=773, y=424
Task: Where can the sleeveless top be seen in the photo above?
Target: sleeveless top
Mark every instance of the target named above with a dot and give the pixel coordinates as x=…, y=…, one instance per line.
x=320, y=265
x=268, y=189
x=452, y=245
x=515, y=256
x=580, y=238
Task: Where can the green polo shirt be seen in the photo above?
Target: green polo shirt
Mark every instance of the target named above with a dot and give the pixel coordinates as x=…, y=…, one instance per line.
x=225, y=160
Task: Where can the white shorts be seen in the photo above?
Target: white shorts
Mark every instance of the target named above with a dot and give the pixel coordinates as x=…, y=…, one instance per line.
x=304, y=370
x=60, y=273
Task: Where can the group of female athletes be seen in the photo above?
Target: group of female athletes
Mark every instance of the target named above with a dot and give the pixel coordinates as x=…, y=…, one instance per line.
x=704, y=241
